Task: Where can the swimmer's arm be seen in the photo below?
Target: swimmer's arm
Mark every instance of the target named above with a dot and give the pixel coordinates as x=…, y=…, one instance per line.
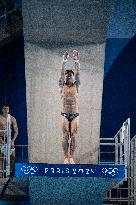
x=62, y=77
x=77, y=75
x=77, y=68
x=15, y=128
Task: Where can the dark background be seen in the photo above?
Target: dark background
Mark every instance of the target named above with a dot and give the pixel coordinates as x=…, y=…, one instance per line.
x=13, y=88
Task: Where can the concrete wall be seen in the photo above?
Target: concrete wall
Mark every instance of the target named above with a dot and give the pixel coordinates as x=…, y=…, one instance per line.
x=43, y=57
x=43, y=100
x=71, y=21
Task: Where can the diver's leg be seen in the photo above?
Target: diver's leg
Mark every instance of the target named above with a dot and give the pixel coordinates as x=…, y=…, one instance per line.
x=65, y=138
x=74, y=134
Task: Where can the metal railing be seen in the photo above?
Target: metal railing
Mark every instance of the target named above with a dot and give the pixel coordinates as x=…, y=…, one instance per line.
x=124, y=192
x=132, y=173
x=21, y=152
x=120, y=144
x=5, y=148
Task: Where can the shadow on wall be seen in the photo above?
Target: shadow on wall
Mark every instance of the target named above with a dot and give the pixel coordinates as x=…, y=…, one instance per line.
x=119, y=92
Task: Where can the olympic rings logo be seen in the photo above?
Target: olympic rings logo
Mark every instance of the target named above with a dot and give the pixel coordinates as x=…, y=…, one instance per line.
x=110, y=171
x=29, y=170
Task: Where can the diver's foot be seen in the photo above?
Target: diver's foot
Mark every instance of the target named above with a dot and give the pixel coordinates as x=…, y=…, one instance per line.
x=66, y=161
x=71, y=161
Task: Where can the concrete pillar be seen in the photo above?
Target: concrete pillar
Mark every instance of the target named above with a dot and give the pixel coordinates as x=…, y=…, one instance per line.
x=50, y=29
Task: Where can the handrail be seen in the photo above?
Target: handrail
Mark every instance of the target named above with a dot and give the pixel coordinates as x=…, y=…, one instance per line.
x=5, y=161
x=121, y=141
x=107, y=138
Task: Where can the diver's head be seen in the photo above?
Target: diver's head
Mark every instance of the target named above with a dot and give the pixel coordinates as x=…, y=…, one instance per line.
x=69, y=77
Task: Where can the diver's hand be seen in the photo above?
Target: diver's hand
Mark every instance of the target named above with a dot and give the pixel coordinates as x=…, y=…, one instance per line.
x=65, y=56
x=75, y=55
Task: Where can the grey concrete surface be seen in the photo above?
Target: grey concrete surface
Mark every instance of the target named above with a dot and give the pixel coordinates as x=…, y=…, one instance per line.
x=69, y=190
x=44, y=106
x=72, y=21
x=51, y=28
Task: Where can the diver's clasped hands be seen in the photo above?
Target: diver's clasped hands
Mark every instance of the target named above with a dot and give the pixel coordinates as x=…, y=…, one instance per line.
x=74, y=55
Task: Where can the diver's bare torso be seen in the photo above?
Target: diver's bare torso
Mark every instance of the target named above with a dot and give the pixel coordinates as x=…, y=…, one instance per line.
x=69, y=98
x=3, y=124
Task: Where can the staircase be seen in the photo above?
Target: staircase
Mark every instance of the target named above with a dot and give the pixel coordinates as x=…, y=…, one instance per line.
x=118, y=194
x=124, y=152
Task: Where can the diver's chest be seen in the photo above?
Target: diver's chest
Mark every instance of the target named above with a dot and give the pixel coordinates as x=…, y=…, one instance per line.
x=70, y=90
x=3, y=122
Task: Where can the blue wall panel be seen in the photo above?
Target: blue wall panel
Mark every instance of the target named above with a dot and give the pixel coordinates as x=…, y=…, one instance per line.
x=119, y=90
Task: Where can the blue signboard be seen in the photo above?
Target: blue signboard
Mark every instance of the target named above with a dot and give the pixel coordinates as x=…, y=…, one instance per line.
x=65, y=170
